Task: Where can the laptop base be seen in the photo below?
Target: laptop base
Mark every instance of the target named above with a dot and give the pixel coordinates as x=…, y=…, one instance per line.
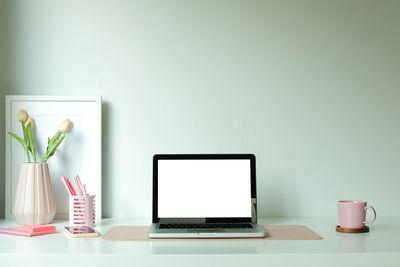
x=256, y=231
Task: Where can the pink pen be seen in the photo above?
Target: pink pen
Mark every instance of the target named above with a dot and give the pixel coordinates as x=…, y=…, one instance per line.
x=68, y=186
x=79, y=185
x=71, y=188
x=84, y=190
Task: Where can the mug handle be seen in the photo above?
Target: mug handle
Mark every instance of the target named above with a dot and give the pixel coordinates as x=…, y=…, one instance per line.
x=373, y=219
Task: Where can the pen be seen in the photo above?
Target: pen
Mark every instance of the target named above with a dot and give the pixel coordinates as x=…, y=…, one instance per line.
x=71, y=188
x=66, y=185
x=79, y=185
x=84, y=190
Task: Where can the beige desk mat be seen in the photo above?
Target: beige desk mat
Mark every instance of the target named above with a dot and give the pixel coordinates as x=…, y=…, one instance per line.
x=275, y=232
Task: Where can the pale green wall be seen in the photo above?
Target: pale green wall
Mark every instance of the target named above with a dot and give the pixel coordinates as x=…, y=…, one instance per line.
x=2, y=108
x=310, y=87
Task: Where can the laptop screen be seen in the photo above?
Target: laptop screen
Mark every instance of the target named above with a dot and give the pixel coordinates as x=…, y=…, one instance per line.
x=204, y=188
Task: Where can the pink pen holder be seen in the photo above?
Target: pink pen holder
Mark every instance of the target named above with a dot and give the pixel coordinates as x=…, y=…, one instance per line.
x=82, y=210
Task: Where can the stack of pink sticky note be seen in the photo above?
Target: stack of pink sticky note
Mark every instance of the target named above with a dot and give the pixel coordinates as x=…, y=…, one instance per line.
x=29, y=230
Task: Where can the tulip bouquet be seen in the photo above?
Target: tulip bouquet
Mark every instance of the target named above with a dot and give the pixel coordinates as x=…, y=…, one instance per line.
x=28, y=143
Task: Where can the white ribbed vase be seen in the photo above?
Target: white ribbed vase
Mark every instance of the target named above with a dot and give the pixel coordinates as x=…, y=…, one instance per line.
x=34, y=199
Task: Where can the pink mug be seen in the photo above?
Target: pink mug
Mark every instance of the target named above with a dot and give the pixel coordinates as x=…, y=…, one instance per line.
x=352, y=213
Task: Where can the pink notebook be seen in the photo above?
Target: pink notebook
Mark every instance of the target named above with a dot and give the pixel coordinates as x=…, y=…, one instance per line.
x=29, y=230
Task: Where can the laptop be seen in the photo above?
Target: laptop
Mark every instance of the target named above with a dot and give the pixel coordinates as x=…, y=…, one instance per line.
x=204, y=196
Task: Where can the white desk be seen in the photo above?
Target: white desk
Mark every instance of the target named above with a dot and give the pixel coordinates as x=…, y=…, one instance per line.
x=380, y=247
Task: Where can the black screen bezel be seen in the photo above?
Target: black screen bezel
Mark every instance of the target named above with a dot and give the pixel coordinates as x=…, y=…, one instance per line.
x=251, y=157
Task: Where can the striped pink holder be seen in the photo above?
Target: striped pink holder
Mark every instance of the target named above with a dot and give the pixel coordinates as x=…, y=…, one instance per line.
x=82, y=211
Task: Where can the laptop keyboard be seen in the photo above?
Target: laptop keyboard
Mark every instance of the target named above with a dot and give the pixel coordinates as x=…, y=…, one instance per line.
x=205, y=225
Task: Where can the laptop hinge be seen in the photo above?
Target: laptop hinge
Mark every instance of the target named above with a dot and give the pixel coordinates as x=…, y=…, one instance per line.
x=254, y=210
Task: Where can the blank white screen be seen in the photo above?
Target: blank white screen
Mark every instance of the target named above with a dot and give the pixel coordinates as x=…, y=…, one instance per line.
x=204, y=188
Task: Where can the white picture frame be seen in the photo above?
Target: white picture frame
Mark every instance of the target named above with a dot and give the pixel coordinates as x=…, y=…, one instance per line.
x=79, y=153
